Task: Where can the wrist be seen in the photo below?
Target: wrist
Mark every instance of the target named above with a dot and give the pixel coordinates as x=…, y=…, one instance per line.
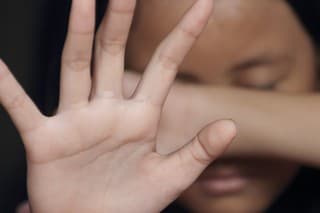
x=216, y=103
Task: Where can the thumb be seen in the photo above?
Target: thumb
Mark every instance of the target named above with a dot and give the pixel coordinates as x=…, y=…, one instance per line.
x=189, y=162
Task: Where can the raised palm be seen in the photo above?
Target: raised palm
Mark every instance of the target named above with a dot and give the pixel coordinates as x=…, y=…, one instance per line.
x=97, y=154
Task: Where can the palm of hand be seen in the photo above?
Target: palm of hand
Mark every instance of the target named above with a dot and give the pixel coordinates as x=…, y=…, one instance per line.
x=97, y=154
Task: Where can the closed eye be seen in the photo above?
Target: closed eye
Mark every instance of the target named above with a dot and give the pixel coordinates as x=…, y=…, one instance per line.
x=262, y=73
x=187, y=77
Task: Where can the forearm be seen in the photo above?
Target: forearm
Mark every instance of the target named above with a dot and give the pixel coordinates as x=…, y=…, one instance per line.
x=270, y=124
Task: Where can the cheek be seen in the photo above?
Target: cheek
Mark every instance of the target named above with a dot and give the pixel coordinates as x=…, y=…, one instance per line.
x=302, y=76
x=271, y=184
x=299, y=81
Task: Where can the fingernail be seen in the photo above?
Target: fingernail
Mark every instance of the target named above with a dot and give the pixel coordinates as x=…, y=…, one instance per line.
x=227, y=129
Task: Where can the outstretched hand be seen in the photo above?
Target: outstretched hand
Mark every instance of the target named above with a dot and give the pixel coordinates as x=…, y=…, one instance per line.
x=97, y=154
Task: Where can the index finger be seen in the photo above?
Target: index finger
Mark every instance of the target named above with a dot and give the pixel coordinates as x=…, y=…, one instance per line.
x=163, y=67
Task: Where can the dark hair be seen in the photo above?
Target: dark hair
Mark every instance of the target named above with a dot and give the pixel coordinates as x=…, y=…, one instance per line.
x=309, y=13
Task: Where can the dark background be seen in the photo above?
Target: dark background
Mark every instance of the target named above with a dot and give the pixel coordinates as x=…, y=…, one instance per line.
x=31, y=38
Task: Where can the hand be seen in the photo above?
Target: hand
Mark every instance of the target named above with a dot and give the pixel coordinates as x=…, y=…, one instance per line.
x=97, y=154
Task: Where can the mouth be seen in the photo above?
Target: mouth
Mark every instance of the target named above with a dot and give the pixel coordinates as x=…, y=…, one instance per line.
x=222, y=180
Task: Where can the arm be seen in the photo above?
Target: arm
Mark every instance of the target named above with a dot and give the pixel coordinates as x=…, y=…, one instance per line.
x=283, y=125
x=270, y=124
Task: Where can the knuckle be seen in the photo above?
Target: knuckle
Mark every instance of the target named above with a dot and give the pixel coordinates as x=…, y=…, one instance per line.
x=129, y=10
x=201, y=154
x=189, y=33
x=202, y=159
x=78, y=64
x=17, y=101
x=112, y=46
x=168, y=62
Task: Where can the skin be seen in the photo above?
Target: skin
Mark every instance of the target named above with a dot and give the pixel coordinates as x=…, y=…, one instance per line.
x=249, y=49
x=293, y=55
x=98, y=153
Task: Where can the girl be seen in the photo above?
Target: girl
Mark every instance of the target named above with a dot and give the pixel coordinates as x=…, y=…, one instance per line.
x=263, y=56
x=257, y=55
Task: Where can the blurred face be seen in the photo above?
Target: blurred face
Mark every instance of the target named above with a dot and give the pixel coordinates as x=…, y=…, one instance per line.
x=247, y=44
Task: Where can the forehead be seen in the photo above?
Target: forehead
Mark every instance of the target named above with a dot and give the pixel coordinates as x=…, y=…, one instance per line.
x=228, y=14
x=237, y=30
x=234, y=23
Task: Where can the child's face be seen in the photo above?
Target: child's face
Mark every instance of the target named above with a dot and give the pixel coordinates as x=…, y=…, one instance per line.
x=249, y=44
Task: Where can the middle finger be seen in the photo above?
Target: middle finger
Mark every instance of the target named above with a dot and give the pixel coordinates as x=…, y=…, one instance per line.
x=161, y=71
x=110, y=48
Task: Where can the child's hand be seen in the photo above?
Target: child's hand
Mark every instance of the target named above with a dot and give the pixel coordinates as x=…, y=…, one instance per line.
x=97, y=154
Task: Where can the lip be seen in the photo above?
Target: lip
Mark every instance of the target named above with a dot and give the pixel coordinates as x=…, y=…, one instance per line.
x=222, y=181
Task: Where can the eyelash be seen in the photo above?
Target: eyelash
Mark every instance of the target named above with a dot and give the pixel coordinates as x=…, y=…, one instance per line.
x=259, y=87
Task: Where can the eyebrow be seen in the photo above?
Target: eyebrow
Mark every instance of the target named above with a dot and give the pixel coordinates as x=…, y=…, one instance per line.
x=252, y=62
x=262, y=59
